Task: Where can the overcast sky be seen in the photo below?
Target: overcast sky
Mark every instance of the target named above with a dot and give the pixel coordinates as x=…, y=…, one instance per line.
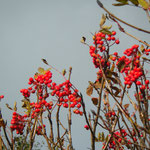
x=34, y=29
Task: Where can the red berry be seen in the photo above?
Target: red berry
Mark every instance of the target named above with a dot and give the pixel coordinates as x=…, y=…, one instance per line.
x=65, y=105
x=31, y=80
x=2, y=96
x=113, y=58
x=146, y=81
x=79, y=105
x=113, y=32
x=115, y=53
x=86, y=127
x=109, y=39
x=113, y=38
x=117, y=41
x=138, y=83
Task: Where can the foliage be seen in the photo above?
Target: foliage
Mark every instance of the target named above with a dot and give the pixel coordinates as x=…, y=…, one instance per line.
x=121, y=112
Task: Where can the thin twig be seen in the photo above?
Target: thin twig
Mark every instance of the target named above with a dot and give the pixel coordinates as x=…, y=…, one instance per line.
x=85, y=115
x=112, y=15
x=7, y=139
x=137, y=39
x=69, y=117
x=148, y=16
x=58, y=128
x=98, y=113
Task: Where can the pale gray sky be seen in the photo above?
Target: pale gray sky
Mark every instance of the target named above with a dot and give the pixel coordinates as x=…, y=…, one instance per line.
x=35, y=29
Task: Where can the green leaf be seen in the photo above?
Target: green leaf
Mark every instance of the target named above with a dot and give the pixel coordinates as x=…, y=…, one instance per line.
x=113, y=80
x=142, y=48
x=41, y=70
x=64, y=72
x=115, y=74
x=99, y=136
x=106, y=139
x=96, y=139
x=113, y=67
x=110, y=73
x=122, y=1
x=107, y=27
x=139, y=53
x=103, y=137
x=120, y=4
x=121, y=65
x=36, y=75
x=15, y=106
x=117, y=90
x=103, y=19
x=146, y=59
x=106, y=31
x=135, y=2
x=144, y=4
x=26, y=105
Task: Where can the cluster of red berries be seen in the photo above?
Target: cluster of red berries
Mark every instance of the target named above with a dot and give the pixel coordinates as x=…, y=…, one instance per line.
x=39, y=80
x=120, y=137
x=66, y=93
x=18, y=123
x=117, y=136
x=39, y=107
x=142, y=88
x=43, y=78
x=131, y=66
x=146, y=51
x=25, y=92
x=44, y=87
x=39, y=130
x=101, y=41
x=110, y=114
x=133, y=76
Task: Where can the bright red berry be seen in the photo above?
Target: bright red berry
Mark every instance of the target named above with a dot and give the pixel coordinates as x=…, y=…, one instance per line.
x=113, y=32
x=86, y=127
x=138, y=83
x=146, y=81
x=117, y=41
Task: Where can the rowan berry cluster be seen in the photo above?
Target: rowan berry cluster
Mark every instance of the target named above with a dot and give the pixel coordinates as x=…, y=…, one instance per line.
x=66, y=93
x=102, y=42
x=110, y=114
x=40, y=107
x=39, y=129
x=131, y=66
x=121, y=137
x=18, y=123
x=42, y=84
x=39, y=81
x=98, y=52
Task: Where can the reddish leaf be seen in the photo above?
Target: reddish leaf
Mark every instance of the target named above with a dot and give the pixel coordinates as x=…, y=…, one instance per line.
x=95, y=100
x=89, y=90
